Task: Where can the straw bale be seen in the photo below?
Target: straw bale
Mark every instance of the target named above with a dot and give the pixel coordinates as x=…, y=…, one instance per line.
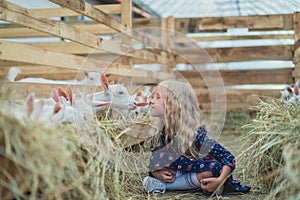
x=272, y=143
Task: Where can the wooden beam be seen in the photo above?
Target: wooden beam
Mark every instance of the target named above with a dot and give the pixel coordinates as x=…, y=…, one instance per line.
x=126, y=19
x=63, y=12
x=265, y=22
x=239, y=96
x=38, y=56
x=48, y=72
x=235, y=99
x=16, y=14
x=246, y=37
x=236, y=54
x=96, y=28
x=100, y=16
x=92, y=12
x=296, y=58
x=13, y=31
x=65, y=47
x=237, y=77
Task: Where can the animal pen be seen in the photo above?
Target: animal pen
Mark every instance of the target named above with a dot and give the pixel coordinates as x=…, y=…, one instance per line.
x=80, y=39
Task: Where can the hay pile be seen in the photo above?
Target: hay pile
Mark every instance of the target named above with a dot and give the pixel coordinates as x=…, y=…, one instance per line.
x=272, y=159
x=39, y=161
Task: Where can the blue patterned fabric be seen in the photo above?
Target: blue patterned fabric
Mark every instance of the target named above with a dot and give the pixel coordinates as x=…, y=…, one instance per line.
x=215, y=157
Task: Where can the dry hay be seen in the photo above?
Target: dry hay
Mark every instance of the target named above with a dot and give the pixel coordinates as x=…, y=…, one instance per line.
x=271, y=159
x=39, y=162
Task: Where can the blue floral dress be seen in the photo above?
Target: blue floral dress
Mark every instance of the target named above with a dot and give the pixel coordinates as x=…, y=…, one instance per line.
x=215, y=156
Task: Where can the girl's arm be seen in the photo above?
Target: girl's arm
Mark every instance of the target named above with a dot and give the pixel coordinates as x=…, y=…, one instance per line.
x=211, y=184
x=207, y=146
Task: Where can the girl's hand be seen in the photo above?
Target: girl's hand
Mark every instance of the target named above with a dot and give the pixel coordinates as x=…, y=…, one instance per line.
x=165, y=175
x=210, y=184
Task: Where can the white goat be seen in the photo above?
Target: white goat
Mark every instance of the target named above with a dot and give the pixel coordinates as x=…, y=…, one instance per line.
x=121, y=102
x=291, y=93
x=117, y=94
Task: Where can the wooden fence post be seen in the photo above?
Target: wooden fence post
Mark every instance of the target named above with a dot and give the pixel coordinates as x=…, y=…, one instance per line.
x=167, y=40
x=126, y=19
x=296, y=58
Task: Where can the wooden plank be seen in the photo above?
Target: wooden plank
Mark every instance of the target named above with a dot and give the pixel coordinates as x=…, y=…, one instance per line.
x=296, y=72
x=236, y=54
x=235, y=99
x=140, y=56
x=48, y=72
x=35, y=55
x=237, y=77
x=232, y=95
x=16, y=14
x=13, y=31
x=144, y=23
x=63, y=12
x=197, y=56
x=296, y=26
x=92, y=12
x=41, y=90
x=296, y=58
x=265, y=22
x=96, y=28
x=38, y=56
x=246, y=37
x=98, y=15
x=65, y=47
x=126, y=19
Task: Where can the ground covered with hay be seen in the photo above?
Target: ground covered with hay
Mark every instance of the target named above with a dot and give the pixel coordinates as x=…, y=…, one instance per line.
x=47, y=162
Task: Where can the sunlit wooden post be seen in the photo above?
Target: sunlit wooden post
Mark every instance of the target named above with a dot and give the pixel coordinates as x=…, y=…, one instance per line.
x=126, y=19
x=167, y=41
x=296, y=59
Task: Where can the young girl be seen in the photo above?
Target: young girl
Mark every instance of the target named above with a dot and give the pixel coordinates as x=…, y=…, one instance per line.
x=183, y=156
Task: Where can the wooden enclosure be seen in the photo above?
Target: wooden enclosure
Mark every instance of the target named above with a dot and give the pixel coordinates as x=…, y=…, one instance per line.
x=62, y=59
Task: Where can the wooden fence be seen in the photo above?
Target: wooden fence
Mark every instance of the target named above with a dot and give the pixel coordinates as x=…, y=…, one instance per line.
x=63, y=58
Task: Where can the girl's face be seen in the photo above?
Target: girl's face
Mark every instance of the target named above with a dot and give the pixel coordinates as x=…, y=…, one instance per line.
x=157, y=102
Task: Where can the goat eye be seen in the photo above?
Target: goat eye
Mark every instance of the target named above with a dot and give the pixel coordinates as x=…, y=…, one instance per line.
x=121, y=92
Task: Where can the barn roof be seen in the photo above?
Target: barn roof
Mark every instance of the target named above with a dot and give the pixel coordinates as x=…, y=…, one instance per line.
x=217, y=8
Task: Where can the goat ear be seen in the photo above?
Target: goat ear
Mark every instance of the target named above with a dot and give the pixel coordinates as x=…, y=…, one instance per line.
x=296, y=90
x=54, y=95
x=104, y=81
x=29, y=104
x=57, y=108
x=37, y=111
x=69, y=94
x=61, y=92
x=86, y=73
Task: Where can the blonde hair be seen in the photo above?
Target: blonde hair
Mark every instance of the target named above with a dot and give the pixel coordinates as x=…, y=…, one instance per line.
x=182, y=116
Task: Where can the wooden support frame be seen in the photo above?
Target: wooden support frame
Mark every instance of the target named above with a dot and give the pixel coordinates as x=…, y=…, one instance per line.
x=16, y=14
x=296, y=58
